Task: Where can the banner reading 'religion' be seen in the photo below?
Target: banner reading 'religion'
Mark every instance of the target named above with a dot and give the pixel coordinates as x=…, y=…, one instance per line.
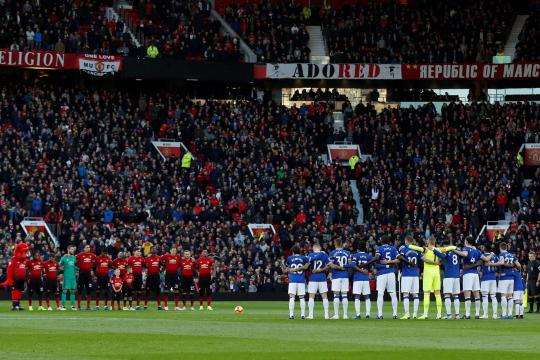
x=97, y=65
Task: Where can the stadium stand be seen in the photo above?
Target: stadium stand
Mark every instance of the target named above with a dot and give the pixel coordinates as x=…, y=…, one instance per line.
x=426, y=32
x=528, y=49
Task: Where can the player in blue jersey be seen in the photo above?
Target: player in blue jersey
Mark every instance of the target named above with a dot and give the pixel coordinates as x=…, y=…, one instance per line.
x=508, y=263
x=319, y=262
x=471, y=279
x=340, y=277
x=519, y=289
x=296, y=267
x=488, y=283
x=362, y=263
x=451, y=261
x=385, y=261
x=410, y=282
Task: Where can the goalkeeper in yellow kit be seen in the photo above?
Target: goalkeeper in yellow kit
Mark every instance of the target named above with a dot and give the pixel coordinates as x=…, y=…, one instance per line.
x=432, y=275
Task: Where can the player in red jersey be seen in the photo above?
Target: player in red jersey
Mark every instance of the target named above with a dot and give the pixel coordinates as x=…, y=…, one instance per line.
x=35, y=269
x=204, y=265
x=152, y=264
x=171, y=262
x=137, y=262
x=85, y=261
x=187, y=282
x=116, y=283
x=50, y=268
x=129, y=281
x=103, y=265
x=120, y=263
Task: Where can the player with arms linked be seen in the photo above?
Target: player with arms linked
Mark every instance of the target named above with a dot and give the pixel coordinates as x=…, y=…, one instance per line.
x=451, y=263
x=410, y=281
x=340, y=277
x=509, y=264
x=319, y=262
x=385, y=259
x=296, y=266
x=362, y=262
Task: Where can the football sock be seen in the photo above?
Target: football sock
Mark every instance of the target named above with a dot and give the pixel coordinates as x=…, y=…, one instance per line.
x=88, y=301
x=448, y=305
x=357, y=306
x=345, y=304
x=291, y=306
x=438, y=302
x=175, y=300
x=494, y=304
x=504, y=305
x=510, y=306
x=302, y=306
x=456, y=304
x=166, y=299
x=485, y=304
x=336, y=305
x=393, y=296
x=78, y=301
x=311, y=305
x=367, y=305
x=63, y=299
x=406, y=304
x=72, y=298
x=467, y=307
x=29, y=300
x=40, y=300
x=325, y=307
x=427, y=299
x=380, y=303
x=477, y=306
x=416, y=303
x=208, y=300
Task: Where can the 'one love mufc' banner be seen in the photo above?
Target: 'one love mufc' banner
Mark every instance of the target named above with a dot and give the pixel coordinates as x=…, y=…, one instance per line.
x=169, y=149
x=531, y=154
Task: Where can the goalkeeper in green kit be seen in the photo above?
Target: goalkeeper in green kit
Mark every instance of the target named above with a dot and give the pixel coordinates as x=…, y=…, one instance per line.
x=67, y=264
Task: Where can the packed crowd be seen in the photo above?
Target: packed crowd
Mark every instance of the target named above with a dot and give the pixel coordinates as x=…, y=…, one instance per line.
x=275, y=31
x=447, y=173
x=64, y=26
x=82, y=159
x=527, y=48
x=426, y=32
x=184, y=29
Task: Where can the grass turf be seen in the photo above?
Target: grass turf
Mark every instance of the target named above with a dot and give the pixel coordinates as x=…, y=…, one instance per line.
x=261, y=332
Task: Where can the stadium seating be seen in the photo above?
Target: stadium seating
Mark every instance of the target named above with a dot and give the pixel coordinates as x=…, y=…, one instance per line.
x=426, y=32
x=528, y=49
x=275, y=31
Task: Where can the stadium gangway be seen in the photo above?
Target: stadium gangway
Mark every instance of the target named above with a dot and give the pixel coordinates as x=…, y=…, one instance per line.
x=33, y=224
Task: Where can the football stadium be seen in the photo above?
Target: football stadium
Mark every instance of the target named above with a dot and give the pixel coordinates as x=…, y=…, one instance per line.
x=269, y=179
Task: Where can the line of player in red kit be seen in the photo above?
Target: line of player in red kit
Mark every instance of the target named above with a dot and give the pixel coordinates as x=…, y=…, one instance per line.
x=127, y=283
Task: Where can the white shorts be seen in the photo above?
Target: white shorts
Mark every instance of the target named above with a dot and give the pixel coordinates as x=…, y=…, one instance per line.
x=340, y=285
x=386, y=282
x=518, y=295
x=471, y=282
x=317, y=286
x=451, y=286
x=488, y=286
x=361, y=288
x=410, y=284
x=506, y=287
x=297, y=289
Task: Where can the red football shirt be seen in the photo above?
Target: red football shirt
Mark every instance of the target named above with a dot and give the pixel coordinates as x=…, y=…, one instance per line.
x=35, y=267
x=85, y=261
x=172, y=262
x=204, y=264
x=121, y=265
x=152, y=264
x=103, y=264
x=117, y=282
x=51, y=269
x=128, y=280
x=136, y=264
x=186, y=268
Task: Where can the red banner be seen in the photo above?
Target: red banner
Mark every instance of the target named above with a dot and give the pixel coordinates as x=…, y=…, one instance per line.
x=470, y=71
x=90, y=63
x=343, y=153
x=169, y=149
x=531, y=154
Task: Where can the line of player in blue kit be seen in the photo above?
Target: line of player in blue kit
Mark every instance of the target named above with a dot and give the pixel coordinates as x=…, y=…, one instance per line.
x=499, y=274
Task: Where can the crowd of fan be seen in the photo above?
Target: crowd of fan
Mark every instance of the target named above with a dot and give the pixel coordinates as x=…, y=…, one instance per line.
x=528, y=48
x=318, y=95
x=424, y=32
x=275, y=31
x=184, y=29
x=83, y=160
x=64, y=26
x=448, y=173
x=400, y=94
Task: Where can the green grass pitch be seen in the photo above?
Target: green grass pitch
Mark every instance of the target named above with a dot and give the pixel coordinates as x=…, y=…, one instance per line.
x=261, y=332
